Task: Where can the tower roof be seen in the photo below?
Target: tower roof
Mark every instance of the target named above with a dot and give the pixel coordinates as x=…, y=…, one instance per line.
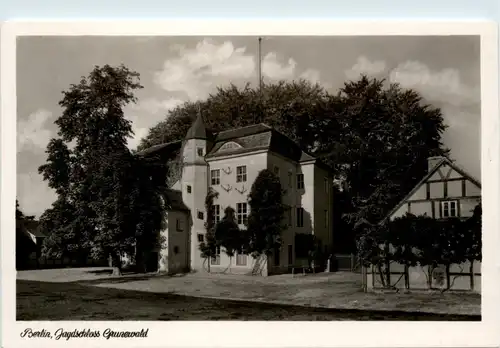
x=198, y=129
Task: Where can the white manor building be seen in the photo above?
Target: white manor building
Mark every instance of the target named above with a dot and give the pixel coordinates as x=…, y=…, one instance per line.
x=229, y=162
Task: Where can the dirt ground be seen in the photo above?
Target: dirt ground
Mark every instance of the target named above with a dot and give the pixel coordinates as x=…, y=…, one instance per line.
x=340, y=290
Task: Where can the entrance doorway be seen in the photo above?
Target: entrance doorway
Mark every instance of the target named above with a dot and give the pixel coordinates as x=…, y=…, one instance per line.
x=152, y=262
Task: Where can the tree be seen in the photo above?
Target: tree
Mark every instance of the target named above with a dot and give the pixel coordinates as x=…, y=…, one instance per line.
x=63, y=237
x=373, y=246
x=473, y=235
x=115, y=196
x=376, y=136
x=291, y=107
x=387, y=135
x=228, y=235
x=473, y=239
x=265, y=222
x=24, y=244
x=403, y=235
x=208, y=247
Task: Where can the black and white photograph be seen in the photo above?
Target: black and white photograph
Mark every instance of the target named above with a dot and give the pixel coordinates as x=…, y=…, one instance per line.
x=247, y=178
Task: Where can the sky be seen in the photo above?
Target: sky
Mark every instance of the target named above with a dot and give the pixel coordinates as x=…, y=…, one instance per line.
x=444, y=69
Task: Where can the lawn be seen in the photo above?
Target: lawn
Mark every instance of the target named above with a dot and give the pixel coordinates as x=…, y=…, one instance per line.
x=75, y=301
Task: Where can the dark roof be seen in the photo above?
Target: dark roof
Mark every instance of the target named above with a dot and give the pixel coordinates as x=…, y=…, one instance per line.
x=175, y=201
x=242, y=132
x=161, y=149
x=251, y=138
x=198, y=129
x=259, y=137
x=30, y=227
x=427, y=176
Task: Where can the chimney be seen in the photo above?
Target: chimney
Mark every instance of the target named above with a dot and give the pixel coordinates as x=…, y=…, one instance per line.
x=433, y=161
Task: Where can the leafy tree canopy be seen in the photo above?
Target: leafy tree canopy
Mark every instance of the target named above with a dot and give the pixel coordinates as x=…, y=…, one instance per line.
x=109, y=200
x=376, y=136
x=265, y=222
x=228, y=234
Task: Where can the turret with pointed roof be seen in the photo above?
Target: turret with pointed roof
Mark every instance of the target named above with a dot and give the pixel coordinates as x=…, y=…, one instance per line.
x=198, y=129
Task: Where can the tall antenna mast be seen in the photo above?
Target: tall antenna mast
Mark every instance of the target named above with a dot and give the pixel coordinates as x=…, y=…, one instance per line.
x=260, y=64
x=260, y=80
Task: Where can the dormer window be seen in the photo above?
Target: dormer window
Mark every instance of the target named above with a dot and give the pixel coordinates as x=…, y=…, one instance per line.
x=200, y=152
x=231, y=145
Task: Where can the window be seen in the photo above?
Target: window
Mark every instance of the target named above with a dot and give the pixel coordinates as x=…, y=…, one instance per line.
x=176, y=250
x=215, y=176
x=201, y=238
x=178, y=224
x=289, y=212
x=241, y=174
x=276, y=170
x=241, y=213
x=199, y=150
x=326, y=218
x=188, y=188
x=230, y=146
x=216, y=259
x=290, y=179
x=326, y=185
x=216, y=213
x=241, y=259
x=300, y=217
x=450, y=209
x=200, y=215
x=300, y=181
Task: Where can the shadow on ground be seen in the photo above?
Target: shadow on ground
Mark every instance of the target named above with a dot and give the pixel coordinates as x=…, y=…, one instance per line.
x=73, y=301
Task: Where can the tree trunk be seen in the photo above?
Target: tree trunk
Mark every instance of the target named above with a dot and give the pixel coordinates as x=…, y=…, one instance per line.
x=388, y=273
x=447, y=272
x=471, y=270
x=429, y=276
x=407, y=277
x=140, y=263
x=116, y=264
x=381, y=274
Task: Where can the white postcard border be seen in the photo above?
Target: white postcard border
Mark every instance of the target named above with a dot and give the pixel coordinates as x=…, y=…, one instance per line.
x=264, y=334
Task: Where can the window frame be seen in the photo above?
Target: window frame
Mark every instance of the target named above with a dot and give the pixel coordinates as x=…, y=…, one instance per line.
x=215, y=179
x=216, y=213
x=241, y=214
x=300, y=181
x=241, y=176
x=449, y=206
x=299, y=217
x=178, y=225
x=216, y=260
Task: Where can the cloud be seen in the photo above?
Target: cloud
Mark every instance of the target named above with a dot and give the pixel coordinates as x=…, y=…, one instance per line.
x=311, y=75
x=155, y=106
x=273, y=69
x=442, y=85
x=33, y=193
x=196, y=71
x=146, y=114
x=364, y=66
x=31, y=132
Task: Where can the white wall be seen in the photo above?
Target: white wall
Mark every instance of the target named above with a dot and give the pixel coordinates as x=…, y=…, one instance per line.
x=323, y=202
x=195, y=175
